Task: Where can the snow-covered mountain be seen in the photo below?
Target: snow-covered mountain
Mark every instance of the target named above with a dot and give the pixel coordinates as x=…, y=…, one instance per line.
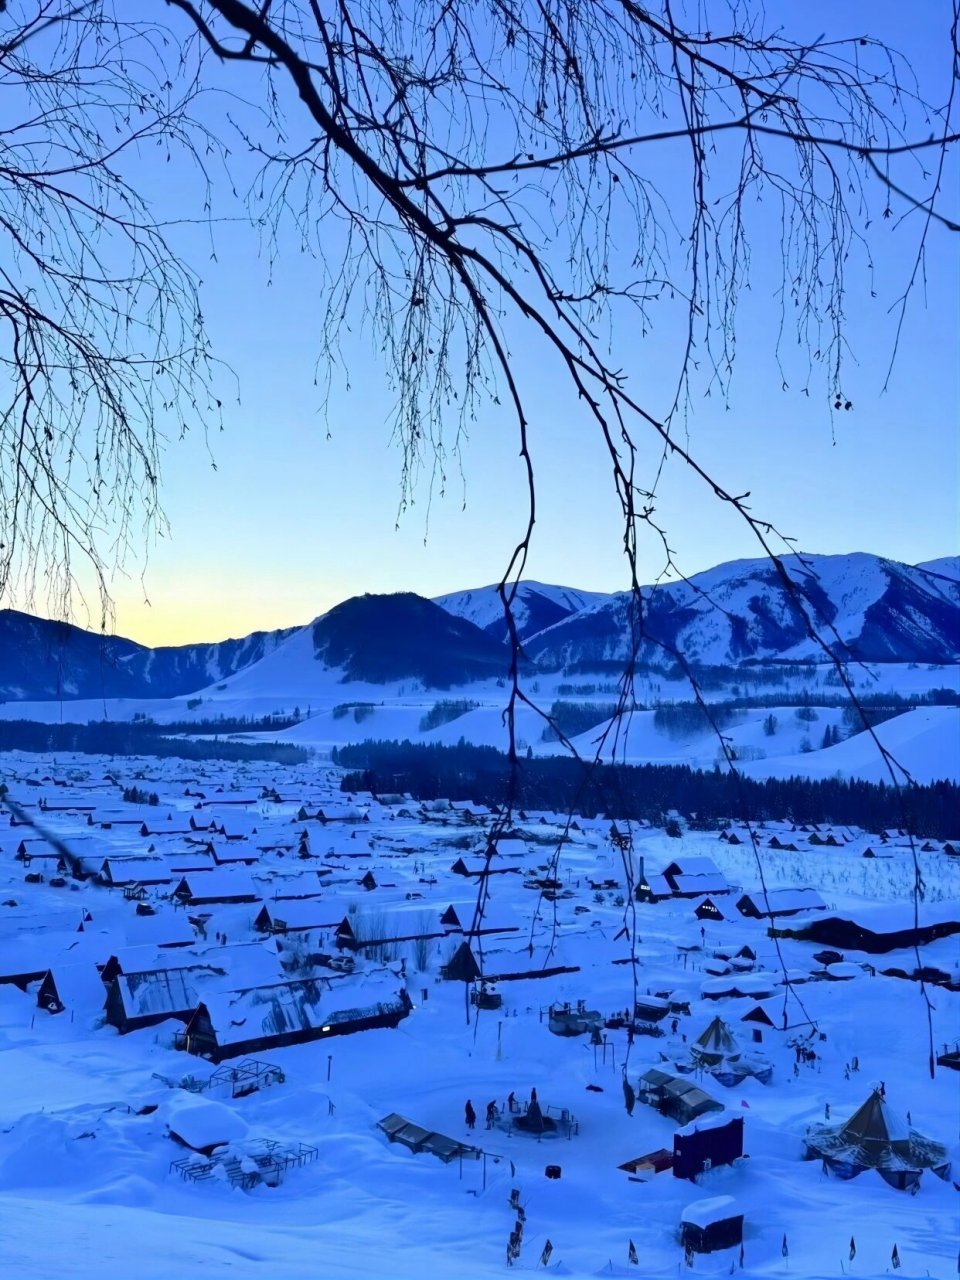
x=40, y=659
x=383, y=638
x=536, y=607
x=868, y=608
x=946, y=566
x=865, y=607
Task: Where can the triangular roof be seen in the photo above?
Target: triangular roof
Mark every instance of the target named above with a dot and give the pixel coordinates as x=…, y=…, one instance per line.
x=534, y=1118
x=462, y=966
x=876, y=1129
x=717, y=1039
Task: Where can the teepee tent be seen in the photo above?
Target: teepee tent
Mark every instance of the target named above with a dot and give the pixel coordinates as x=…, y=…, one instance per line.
x=875, y=1137
x=713, y=1045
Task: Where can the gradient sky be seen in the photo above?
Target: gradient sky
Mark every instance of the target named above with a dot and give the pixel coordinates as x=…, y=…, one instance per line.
x=301, y=511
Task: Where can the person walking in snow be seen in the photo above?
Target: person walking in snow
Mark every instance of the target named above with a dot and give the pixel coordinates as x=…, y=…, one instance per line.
x=629, y=1096
x=469, y=1114
x=512, y=1102
x=491, y=1114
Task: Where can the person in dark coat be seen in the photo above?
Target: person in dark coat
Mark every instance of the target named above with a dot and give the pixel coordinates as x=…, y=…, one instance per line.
x=491, y=1114
x=469, y=1114
x=629, y=1096
x=512, y=1102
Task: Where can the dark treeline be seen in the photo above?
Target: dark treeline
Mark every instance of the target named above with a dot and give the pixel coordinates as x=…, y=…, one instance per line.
x=707, y=677
x=892, y=702
x=636, y=792
x=218, y=724
x=109, y=738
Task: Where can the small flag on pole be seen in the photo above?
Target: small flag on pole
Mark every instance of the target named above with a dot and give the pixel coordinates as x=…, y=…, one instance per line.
x=895, y=1259
x=783, y=1248
x=545, y=1256
x=632, y=1255
x=853, y=1248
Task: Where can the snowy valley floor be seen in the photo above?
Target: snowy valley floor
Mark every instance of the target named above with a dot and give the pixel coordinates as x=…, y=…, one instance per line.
x=86, y=1185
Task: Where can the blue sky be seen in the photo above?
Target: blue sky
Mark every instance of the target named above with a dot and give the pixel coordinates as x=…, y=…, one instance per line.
x=302, y=509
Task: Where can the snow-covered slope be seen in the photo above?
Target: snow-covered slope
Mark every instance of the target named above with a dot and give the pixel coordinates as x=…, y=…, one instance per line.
x=924, y=745
x=866, y=607
x=44, y=659
x=537, y=606
x=946, y=566
x=870, y=609
x=369, y=648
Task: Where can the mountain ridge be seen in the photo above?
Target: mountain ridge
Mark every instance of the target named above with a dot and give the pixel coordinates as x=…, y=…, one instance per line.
x=867, y=608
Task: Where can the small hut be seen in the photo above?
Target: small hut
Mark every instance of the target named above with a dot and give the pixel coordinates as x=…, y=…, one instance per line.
x=713, y=1139
x=462, y=965
x=707, y=1225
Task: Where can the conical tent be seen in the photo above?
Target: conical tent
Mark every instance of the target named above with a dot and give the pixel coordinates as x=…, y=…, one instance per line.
x=876, y=1130
x=715, y=1043
x=876, y=1138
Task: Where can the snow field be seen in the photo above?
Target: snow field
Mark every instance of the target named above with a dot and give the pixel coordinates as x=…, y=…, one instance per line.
x=107, y=1205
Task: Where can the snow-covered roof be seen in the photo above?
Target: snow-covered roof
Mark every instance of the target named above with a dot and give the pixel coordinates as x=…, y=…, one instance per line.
x=704, y=1213
x=693, y=866
x=220, y=883
x=165, y=991
x=777, y=901
x=202, y=1122
x=122, y=871
x=711, y=1120
x=701, y=883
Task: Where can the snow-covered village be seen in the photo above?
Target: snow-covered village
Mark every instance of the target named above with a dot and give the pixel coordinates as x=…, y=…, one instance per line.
x=258, y=1013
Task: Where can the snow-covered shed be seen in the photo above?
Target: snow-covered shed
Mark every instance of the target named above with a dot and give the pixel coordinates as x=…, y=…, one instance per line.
x=202, y=1124
x=715, y=1223
x=876, y=928
x=779, y=902
x=714, y=1138
x=675, y=1096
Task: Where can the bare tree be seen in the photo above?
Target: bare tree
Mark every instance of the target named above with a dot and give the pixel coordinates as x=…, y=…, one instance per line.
x=102, y=350
x=466, y=173
x=470, y=176
x=557, y=170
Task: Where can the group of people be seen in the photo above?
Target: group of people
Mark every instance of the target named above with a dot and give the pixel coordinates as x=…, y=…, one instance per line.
x=493, y=1111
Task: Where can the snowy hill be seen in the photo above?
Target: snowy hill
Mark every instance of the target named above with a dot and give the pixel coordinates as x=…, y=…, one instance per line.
x=536, y=607
x=946, y=566
x=41, y=659
x=869, y=609
x=383, y=638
